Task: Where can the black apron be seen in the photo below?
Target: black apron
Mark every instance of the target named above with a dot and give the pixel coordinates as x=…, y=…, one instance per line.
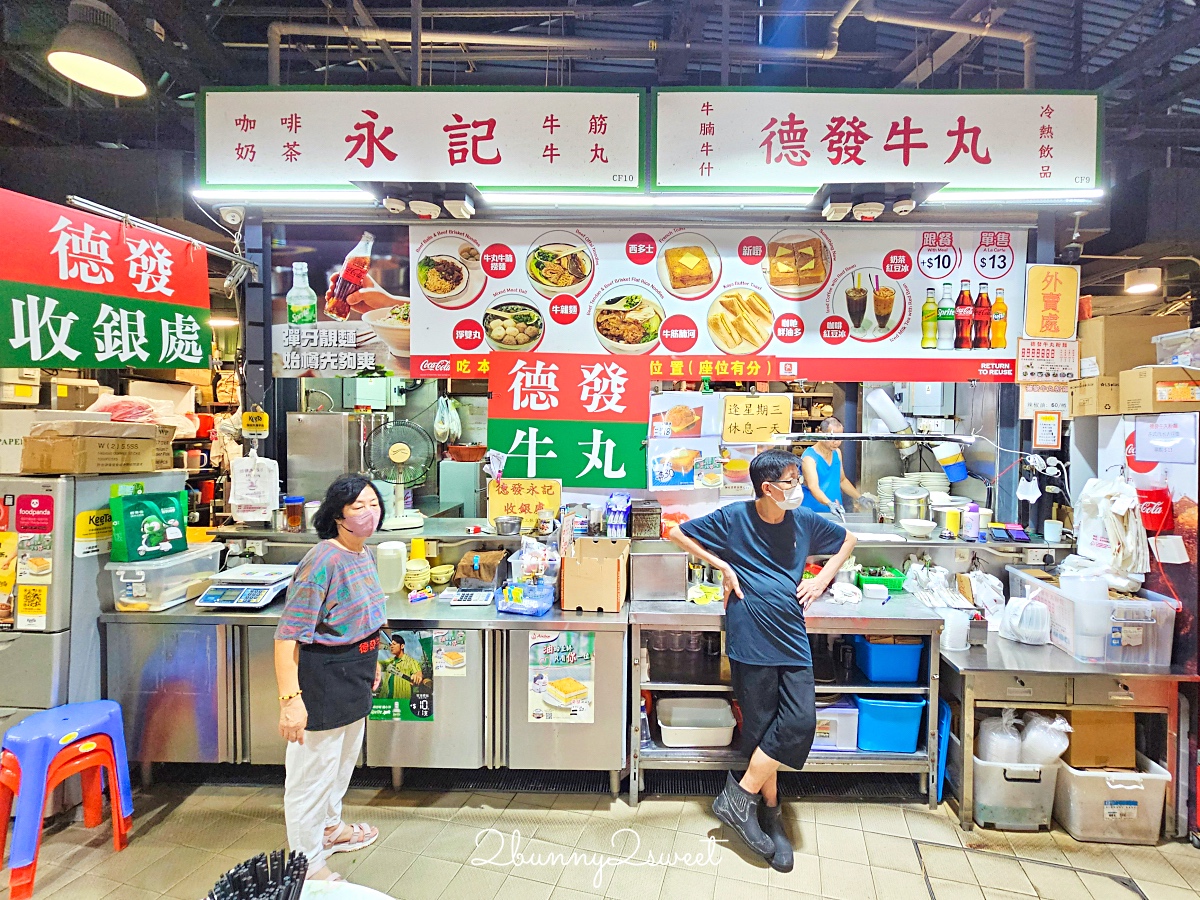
x=336, y=681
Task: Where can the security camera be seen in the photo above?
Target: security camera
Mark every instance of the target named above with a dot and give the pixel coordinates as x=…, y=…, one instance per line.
x=232, y=216
x=1071, y=253
x=393, y=205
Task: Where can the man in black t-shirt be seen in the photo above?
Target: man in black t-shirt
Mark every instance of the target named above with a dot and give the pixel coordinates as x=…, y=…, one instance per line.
x=761, y=548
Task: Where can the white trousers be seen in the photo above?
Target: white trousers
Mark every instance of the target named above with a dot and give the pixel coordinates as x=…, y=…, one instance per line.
x=318, y=774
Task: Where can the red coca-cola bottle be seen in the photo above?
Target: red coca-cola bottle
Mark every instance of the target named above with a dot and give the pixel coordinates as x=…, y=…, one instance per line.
x=964, y=317
x=982, y=339
x=351, y=278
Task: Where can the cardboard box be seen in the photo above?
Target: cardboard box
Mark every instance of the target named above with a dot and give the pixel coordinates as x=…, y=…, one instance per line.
x=15, y=425
x=74, y=393
x=1108, y=345
x=595, y=574
x=1099, y=396
x=1101, y=739
x=164, y=455
x=73, y=427
x=1160, y=389
x=86, y=455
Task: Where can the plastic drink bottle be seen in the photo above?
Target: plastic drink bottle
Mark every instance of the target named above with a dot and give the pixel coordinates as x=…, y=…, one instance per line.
x=301, y=299
x=945, y=318
x=999, y=321
x=929, y=321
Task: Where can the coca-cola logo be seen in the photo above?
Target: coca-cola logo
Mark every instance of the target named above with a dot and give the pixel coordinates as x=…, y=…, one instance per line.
x=1153, y=508
x=432, y=366
x=1131, y=459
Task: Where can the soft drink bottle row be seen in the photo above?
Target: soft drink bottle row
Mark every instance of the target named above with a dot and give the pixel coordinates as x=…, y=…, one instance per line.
x=964, y=323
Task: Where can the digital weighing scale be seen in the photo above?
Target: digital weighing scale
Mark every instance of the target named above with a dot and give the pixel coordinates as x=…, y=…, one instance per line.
x=251, y=586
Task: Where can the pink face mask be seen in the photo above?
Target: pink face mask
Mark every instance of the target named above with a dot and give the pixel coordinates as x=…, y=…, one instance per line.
x=361, y=524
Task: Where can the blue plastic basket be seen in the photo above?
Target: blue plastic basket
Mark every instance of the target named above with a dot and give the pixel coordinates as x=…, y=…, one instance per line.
x=888, y=662
x=525, y=599
x=944, y=719
x=889, y=726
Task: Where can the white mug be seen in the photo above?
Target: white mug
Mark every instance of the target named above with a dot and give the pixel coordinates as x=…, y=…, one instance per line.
x=1052, y=531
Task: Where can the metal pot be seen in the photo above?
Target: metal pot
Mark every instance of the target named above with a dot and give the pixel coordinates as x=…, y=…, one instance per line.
x=508, y=524
x=911, y=502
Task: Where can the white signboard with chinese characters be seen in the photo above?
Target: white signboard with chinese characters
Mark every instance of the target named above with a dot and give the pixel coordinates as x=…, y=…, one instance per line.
x=502, y=138
x=751, y=303
x=797, y=139
x=1043, y=360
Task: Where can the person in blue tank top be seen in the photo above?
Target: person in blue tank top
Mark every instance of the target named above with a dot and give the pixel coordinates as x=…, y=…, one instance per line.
x=825, y=484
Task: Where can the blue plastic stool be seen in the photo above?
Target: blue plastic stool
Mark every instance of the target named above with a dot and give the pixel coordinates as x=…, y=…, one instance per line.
x=36, y=741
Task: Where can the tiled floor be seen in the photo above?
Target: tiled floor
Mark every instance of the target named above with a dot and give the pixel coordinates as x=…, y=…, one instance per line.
x=500, y=846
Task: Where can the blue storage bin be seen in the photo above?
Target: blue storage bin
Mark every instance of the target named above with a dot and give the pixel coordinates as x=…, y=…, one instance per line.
x=889, y=726
x=944, y=720
x=888, y=662
x=525, y=599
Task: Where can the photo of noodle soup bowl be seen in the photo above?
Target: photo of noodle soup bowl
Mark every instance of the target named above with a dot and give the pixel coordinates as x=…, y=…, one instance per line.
x=392, y=325
x=513, y=325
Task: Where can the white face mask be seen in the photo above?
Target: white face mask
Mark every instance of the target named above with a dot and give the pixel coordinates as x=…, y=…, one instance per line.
x=792, y=498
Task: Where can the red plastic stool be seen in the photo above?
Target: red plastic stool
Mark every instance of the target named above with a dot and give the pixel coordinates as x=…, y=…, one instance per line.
x=87, y=758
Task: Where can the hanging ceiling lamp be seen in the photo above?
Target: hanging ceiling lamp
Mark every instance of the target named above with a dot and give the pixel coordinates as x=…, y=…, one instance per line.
x=94, y=51
x=1143, y=281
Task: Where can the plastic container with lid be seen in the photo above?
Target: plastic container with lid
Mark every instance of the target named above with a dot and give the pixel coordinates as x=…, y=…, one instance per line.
x=1014, y=796
x=1178, y=348
x=1115, y=807
x=155, y=585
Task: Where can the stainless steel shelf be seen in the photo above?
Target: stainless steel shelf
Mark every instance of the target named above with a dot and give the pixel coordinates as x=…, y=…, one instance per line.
x=660, y=757
x=724, y=687
x=686, y=686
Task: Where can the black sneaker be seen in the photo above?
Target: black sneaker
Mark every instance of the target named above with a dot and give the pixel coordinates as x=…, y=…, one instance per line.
x=771, y=820
x=738, y=808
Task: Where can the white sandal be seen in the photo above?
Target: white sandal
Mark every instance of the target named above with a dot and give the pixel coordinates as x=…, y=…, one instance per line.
x=361, y=835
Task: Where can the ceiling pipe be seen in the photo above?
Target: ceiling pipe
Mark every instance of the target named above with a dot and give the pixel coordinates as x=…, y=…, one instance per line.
x=276, y=31
x=875, y=11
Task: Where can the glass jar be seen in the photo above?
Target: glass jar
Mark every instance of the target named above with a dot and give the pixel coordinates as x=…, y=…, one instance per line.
x=294, y=513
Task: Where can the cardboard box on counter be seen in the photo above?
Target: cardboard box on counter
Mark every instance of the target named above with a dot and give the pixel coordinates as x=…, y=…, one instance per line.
x=1108, y=345
x=1101, y=739
x=1160, y=389
x=15, y=425
x=86, y=455
x=73, y=427
x=1099, y=396
x=595, y=574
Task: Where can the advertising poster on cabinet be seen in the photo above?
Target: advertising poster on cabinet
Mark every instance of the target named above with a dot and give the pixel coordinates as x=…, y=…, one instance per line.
x=562, y=677
x=339, y=301
x=405, y=692
x=751, y=303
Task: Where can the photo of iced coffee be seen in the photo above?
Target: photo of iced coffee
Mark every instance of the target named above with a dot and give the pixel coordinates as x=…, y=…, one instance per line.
x=856, y=305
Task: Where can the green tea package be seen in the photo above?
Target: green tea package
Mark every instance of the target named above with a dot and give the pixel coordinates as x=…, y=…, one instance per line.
x=148, y=526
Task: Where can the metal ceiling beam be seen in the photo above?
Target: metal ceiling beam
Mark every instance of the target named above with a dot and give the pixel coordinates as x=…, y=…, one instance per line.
x=1154, y=51
x=1163, y=91
x=651, y=10
x=915, y=70
x=364, y=18
x=345, y=21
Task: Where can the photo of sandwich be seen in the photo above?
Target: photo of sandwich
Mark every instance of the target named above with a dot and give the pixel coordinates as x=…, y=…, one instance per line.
x=797, y=264
x=740, y=322
x=689, y=266
x=566, y=691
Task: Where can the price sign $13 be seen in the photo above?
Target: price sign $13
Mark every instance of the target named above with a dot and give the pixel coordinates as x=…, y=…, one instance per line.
x=993, y=262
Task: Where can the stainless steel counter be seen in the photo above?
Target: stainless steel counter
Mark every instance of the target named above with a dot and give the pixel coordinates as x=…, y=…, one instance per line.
x=1004, y=673
x=400, y=612
x=900, y=614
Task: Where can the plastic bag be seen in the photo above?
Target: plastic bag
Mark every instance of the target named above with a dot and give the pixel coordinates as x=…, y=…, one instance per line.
x=1026, y=621
x=988, y=593
x=441, y=421
x=1043, y=741
x=455, y=422
x=133, y=409
x=253, y=488
x=999, y=740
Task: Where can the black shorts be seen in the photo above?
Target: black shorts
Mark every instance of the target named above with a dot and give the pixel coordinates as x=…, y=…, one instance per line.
x=778, y=706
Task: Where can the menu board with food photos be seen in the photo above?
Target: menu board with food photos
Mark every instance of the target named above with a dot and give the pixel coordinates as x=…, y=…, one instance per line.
x=836, y=303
